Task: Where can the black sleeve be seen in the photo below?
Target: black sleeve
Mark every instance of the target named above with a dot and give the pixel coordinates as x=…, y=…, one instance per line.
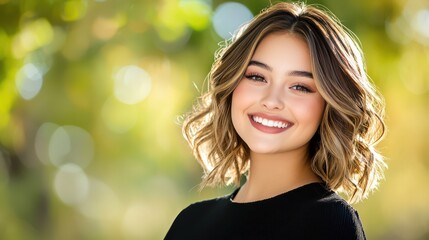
x=336, y=220
x=179, y=226
x=190, y=223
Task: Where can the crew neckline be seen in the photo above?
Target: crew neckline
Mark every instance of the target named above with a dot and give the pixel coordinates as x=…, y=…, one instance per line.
x=305, y=187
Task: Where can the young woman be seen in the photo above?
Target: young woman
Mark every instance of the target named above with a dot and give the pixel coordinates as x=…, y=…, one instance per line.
x=290, y=107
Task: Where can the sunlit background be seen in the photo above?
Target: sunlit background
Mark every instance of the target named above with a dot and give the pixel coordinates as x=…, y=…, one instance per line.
x=91, y=92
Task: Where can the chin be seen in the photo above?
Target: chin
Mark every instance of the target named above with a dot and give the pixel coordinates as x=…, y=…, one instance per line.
x=265, y=150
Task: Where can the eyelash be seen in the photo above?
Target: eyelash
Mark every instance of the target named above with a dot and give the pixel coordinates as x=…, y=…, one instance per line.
x=259, y=78
x=301, y=88
x=255, y=77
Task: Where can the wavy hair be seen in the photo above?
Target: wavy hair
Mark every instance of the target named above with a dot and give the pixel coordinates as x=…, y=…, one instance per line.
x=342, y=152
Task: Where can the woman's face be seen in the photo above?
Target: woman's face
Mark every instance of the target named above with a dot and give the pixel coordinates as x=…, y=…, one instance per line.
x=276, y=107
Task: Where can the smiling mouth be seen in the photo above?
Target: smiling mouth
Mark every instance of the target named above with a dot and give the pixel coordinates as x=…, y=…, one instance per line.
x=270, y=123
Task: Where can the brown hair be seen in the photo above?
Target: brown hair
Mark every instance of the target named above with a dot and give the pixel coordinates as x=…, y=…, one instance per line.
x=342, y=151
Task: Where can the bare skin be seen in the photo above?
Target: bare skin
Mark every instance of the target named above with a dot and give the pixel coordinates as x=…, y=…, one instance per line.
x=269, y=177
x=276, y=110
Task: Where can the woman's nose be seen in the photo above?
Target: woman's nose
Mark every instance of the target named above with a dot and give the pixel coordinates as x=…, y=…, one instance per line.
x=273, y=98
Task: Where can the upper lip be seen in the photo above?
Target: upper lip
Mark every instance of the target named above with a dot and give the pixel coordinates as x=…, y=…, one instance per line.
x=271, y=117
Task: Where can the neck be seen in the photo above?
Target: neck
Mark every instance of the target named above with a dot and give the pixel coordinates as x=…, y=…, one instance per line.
x=270, y=175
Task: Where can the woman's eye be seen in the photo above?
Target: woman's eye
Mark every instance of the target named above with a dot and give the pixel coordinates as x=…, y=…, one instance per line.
x=255, y=77
x=301, y=88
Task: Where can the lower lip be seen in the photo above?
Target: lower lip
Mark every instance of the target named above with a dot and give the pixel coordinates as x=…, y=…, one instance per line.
x=265, y=129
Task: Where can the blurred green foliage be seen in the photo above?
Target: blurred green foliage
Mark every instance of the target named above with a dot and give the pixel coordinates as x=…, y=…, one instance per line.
x=90, y=95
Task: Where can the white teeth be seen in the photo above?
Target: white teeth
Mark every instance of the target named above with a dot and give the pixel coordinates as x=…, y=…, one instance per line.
x=270, y=123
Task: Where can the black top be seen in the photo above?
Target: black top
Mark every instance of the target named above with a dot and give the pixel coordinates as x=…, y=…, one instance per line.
x=308, y=212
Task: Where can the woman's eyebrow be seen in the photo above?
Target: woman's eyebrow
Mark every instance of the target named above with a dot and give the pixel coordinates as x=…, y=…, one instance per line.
x=301, y=74
x=297, y=73
x=260, y=64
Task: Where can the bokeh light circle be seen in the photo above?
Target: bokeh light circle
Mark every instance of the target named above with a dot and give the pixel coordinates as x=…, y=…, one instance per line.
x=132, y=84
x=101, y=202
x=70, y=144
x=41, y=142
x=29, y=81
x=228, y=17
x=71, y=184
x=421, y=23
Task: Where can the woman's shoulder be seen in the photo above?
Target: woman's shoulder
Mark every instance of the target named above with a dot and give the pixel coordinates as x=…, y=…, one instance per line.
x=196, y=217
x=204, y=207
x=331, y=215
x=208, y=203
x=331, y=204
